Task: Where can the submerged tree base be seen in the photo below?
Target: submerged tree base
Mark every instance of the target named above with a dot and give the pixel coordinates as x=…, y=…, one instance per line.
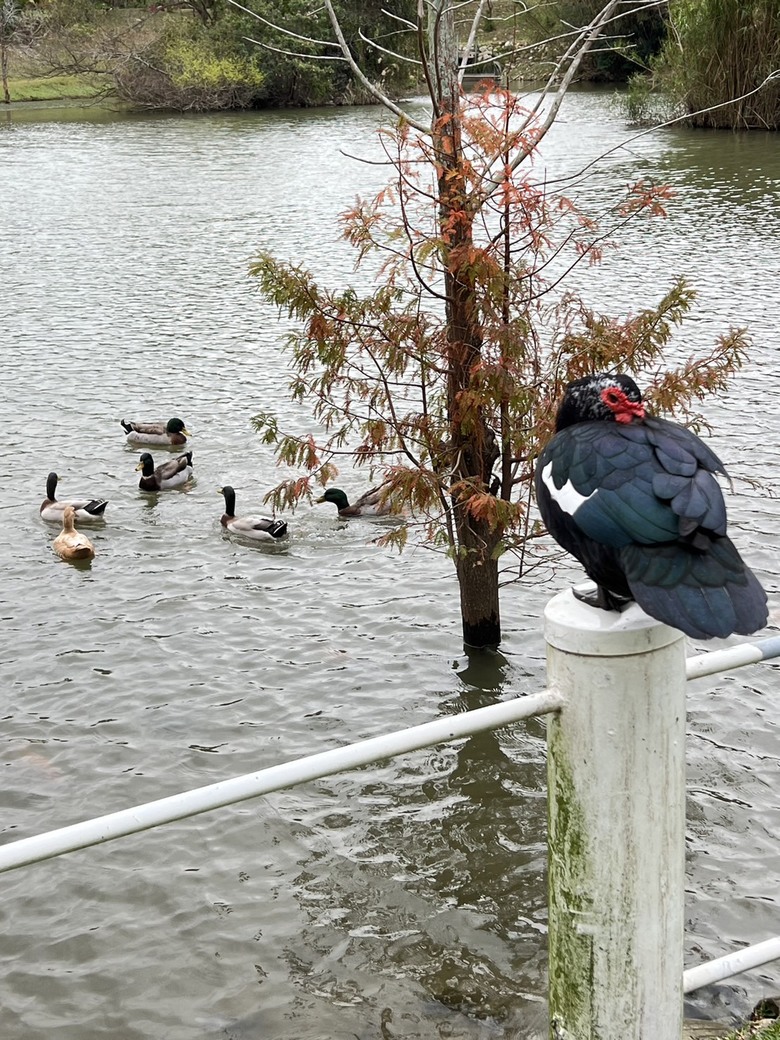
x=485, y=635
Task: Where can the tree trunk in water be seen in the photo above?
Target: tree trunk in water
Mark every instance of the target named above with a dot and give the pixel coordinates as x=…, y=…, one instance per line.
x=472, y=443
x=4, y=67
x=477, y=571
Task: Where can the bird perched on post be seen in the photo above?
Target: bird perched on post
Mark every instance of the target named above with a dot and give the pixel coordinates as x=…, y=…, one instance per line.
x=635, y=499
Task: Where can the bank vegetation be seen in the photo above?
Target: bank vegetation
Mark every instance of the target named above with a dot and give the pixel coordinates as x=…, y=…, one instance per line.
x=711, y=63
x=192, y=55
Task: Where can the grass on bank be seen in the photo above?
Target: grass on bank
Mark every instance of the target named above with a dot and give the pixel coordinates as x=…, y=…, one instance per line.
x=757, y=1029
x=51, y=88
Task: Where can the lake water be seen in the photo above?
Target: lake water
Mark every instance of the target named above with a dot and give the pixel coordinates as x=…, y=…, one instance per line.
x=403, y=901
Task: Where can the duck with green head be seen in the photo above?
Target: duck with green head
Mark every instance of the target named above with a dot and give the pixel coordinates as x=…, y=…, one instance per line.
x=167, y=475
x=172, y=434
x=52, y=509
x=259, y=528
x=376, y=502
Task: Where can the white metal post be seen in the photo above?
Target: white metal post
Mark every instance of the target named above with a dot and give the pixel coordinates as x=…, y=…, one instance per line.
x=616, y=775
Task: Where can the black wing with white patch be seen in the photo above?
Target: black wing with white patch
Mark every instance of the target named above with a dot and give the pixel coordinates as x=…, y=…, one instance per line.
x=643, y=483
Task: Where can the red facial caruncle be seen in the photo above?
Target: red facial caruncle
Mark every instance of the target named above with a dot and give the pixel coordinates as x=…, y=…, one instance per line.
x=621, y=406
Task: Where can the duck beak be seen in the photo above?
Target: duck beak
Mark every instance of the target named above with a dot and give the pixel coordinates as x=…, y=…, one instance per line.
x=220, y=491
x=320, y=499
x=185, y=431
x=140, y=466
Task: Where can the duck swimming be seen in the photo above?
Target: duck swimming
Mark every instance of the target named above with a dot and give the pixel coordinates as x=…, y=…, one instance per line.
x=172, y=434
x=376, y=502
x=84, y=508
x=167, y=475
x=261, y=528
x=635, y=499
x=71, y=544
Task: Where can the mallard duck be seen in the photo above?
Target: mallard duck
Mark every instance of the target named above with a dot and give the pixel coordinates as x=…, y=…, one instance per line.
x=84, y=508
x=261, y=528
x=167, y=475
x=71, y=544
x=376, y=502
x=172, y=434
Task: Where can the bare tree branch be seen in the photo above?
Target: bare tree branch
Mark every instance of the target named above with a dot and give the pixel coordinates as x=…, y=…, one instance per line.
x=574, y=55
x=381, y=97
x=398, y=18
x=281, y=29
x=770, y=78
x=571, y=61
x=476, y=21
x=293, y=54
x=384, y=50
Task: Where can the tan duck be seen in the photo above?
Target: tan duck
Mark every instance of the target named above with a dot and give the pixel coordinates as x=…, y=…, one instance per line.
x=172, y=434
x=85, y=508
x=376, y=502
x=167, y=475
x=71, y=544
x=260, y=528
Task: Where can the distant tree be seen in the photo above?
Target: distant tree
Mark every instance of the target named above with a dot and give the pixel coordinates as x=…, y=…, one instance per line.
x=191, y=65
x=9, y=17
x=289, y=35
x=80, y=37
x=201, y=54
x=445, y=378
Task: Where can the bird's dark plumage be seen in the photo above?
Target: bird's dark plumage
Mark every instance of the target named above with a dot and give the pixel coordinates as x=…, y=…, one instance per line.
x=635, y=499
x=259, y=528
x=84, y=508
x=167, y=475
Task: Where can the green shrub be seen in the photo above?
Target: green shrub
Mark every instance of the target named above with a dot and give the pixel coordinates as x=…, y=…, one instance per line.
x=646, y=106
x=193, y=65
x=188, y=66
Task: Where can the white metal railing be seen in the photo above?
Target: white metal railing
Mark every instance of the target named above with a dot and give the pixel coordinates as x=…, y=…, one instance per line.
x=288, y=774
x=732, y=964
x=732, y=657
x=616, y=800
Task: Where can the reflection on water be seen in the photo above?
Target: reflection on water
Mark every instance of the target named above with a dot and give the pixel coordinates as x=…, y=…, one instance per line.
x=403, y=900
x=436, y=882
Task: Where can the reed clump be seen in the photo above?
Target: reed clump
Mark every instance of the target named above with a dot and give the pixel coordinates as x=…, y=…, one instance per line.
x=718, y=59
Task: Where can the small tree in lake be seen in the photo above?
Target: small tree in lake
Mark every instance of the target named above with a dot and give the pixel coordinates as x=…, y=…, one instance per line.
x=446, y=376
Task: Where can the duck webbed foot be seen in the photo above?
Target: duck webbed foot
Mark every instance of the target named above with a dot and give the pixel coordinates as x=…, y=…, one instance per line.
x=601, y=598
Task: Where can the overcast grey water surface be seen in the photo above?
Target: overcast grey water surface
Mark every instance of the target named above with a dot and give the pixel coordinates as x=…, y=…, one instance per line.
x=404, y=900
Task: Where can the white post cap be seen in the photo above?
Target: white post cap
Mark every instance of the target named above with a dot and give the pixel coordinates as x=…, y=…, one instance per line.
x=576, y=628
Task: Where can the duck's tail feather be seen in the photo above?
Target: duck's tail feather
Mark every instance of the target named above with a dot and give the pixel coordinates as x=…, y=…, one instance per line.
x=704, y=594
x=96, y=507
